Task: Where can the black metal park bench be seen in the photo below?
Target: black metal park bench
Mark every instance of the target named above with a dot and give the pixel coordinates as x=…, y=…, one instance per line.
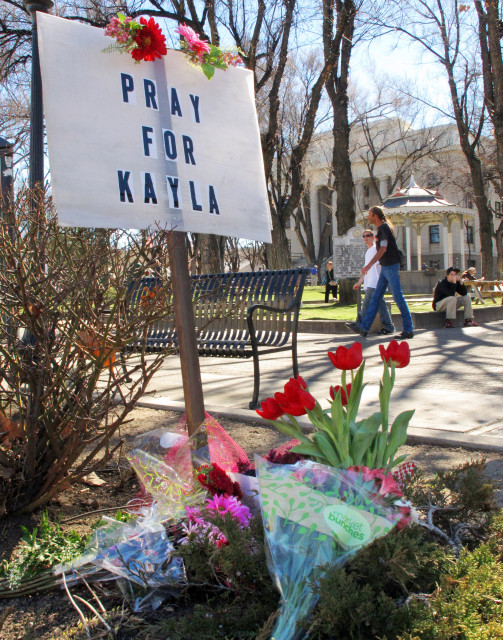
x=238, y=315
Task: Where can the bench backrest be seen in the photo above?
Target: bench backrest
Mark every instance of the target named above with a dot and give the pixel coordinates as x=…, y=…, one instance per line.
x=221, y=303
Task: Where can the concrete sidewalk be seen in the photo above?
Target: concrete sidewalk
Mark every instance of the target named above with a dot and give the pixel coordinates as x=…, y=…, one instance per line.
x=454, y=382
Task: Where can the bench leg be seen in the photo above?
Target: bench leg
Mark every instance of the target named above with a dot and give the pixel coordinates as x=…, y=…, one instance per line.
x=256, y=381
x=294, y=360
x=127, y=378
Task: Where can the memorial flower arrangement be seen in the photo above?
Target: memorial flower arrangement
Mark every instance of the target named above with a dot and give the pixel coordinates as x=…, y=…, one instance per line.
x=321, y=511
x=339, y=439
x=144, y=40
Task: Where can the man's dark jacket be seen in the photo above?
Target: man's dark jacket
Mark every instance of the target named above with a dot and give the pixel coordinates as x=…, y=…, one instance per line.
x=444, y=289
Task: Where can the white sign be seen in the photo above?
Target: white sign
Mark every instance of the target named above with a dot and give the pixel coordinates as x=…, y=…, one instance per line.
x=155, y=143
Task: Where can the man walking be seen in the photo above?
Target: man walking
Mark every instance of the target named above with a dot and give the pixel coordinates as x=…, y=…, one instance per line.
x=445, y=299
x=389, y=257
x=369, y=281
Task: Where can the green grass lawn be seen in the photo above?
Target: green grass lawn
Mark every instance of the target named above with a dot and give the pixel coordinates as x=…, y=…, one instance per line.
x=335, y=311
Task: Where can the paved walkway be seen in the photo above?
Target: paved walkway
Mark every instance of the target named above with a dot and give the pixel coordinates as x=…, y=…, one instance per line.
x=454, y=382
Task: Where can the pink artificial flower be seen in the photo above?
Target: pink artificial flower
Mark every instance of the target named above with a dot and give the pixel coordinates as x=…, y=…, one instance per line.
x=194, y=42
x=230, y=504
x=194, y=515
x=389, y=485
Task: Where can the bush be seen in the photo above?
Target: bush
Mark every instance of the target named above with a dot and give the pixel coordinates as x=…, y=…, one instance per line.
x=64, y=310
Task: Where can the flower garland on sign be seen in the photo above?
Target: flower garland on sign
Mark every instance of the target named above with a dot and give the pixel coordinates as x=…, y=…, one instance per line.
x=144, y=40
x=206, y=56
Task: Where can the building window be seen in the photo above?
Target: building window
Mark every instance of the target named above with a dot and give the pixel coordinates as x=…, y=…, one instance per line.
x=497, y=209
x=434, y=234
x=468, y=202
x=469, y=234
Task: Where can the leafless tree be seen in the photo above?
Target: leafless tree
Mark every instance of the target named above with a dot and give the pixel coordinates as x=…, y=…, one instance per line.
x=444, y=32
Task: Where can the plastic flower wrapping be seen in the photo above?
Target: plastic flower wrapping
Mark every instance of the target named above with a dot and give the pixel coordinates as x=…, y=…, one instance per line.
x=315, y=515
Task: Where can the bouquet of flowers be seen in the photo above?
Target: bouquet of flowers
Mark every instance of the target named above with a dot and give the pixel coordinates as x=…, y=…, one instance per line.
x=325, y=509
x=339, y=439
x=316, y=515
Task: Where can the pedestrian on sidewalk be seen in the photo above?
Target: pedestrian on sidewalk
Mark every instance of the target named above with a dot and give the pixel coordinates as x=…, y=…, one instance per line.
x=369, y=281
x=388, y=255
x=329, y=281
x=445, y=299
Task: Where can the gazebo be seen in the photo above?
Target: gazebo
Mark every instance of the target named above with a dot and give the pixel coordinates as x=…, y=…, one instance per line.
x=415, y=207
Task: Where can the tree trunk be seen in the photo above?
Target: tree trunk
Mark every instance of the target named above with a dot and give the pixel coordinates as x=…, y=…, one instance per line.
x=278, y=252
x=337, y=89
x=211, y=253
x=347, y=295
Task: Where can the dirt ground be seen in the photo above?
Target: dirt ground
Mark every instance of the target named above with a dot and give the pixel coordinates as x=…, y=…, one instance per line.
x=50, y=615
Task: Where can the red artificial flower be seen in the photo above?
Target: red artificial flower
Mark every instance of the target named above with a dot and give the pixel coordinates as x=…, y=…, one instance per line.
x=399, y=354
x=151, y=44
x=344, y=398
x=270, y=409
x=405, y=519
x=214, y=478
x=345, y=358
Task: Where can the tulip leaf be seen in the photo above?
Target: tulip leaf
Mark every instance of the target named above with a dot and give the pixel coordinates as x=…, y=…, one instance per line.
x=363, y=433
x=357, y=387
x=397, y=435
x=290, y=430
x=308, y=450
x=327, y=449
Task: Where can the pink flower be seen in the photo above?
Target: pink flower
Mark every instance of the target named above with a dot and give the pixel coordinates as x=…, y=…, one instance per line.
x=194, y=42
x=230, y=504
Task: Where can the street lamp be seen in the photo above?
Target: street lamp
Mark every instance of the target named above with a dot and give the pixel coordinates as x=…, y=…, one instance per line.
x=36, y=114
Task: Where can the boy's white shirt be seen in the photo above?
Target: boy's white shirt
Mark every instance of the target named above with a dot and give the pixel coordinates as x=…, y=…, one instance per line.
x=372, y=276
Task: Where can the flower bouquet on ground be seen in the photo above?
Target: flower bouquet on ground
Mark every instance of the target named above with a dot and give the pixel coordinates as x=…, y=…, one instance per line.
x=316, y=515
x=325, y=509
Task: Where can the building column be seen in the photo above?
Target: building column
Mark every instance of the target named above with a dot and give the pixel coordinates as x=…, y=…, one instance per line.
x=418, y=245
x=408, y=244
x=462, y=244
x=445, y=241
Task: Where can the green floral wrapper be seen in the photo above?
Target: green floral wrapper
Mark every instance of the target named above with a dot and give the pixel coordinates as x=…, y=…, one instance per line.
x=315, y=515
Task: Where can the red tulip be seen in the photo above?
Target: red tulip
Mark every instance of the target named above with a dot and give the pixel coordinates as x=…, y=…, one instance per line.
x=399, y=354
x=344, y=398
x=295, y=401
x=345, y=358
x=270, y=409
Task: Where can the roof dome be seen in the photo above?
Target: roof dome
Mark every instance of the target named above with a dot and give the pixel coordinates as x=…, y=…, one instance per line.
x=414, y=196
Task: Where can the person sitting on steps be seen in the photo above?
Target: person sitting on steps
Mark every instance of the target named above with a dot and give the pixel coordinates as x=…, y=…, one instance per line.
x=445, y=299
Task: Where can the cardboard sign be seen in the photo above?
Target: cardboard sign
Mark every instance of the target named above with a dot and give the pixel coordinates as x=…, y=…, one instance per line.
x=155, y=143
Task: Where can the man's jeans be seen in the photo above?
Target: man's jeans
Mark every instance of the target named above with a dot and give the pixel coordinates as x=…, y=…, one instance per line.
x=387, y=322
x=390, y=276
x=452, y=303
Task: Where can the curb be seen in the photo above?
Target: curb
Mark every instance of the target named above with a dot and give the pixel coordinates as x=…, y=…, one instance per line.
x=424, y=320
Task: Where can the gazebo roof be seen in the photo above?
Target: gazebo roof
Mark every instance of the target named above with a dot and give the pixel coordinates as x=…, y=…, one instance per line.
x=421, y=206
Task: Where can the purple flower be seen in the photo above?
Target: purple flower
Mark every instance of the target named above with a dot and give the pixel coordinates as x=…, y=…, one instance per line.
x=222, y=505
